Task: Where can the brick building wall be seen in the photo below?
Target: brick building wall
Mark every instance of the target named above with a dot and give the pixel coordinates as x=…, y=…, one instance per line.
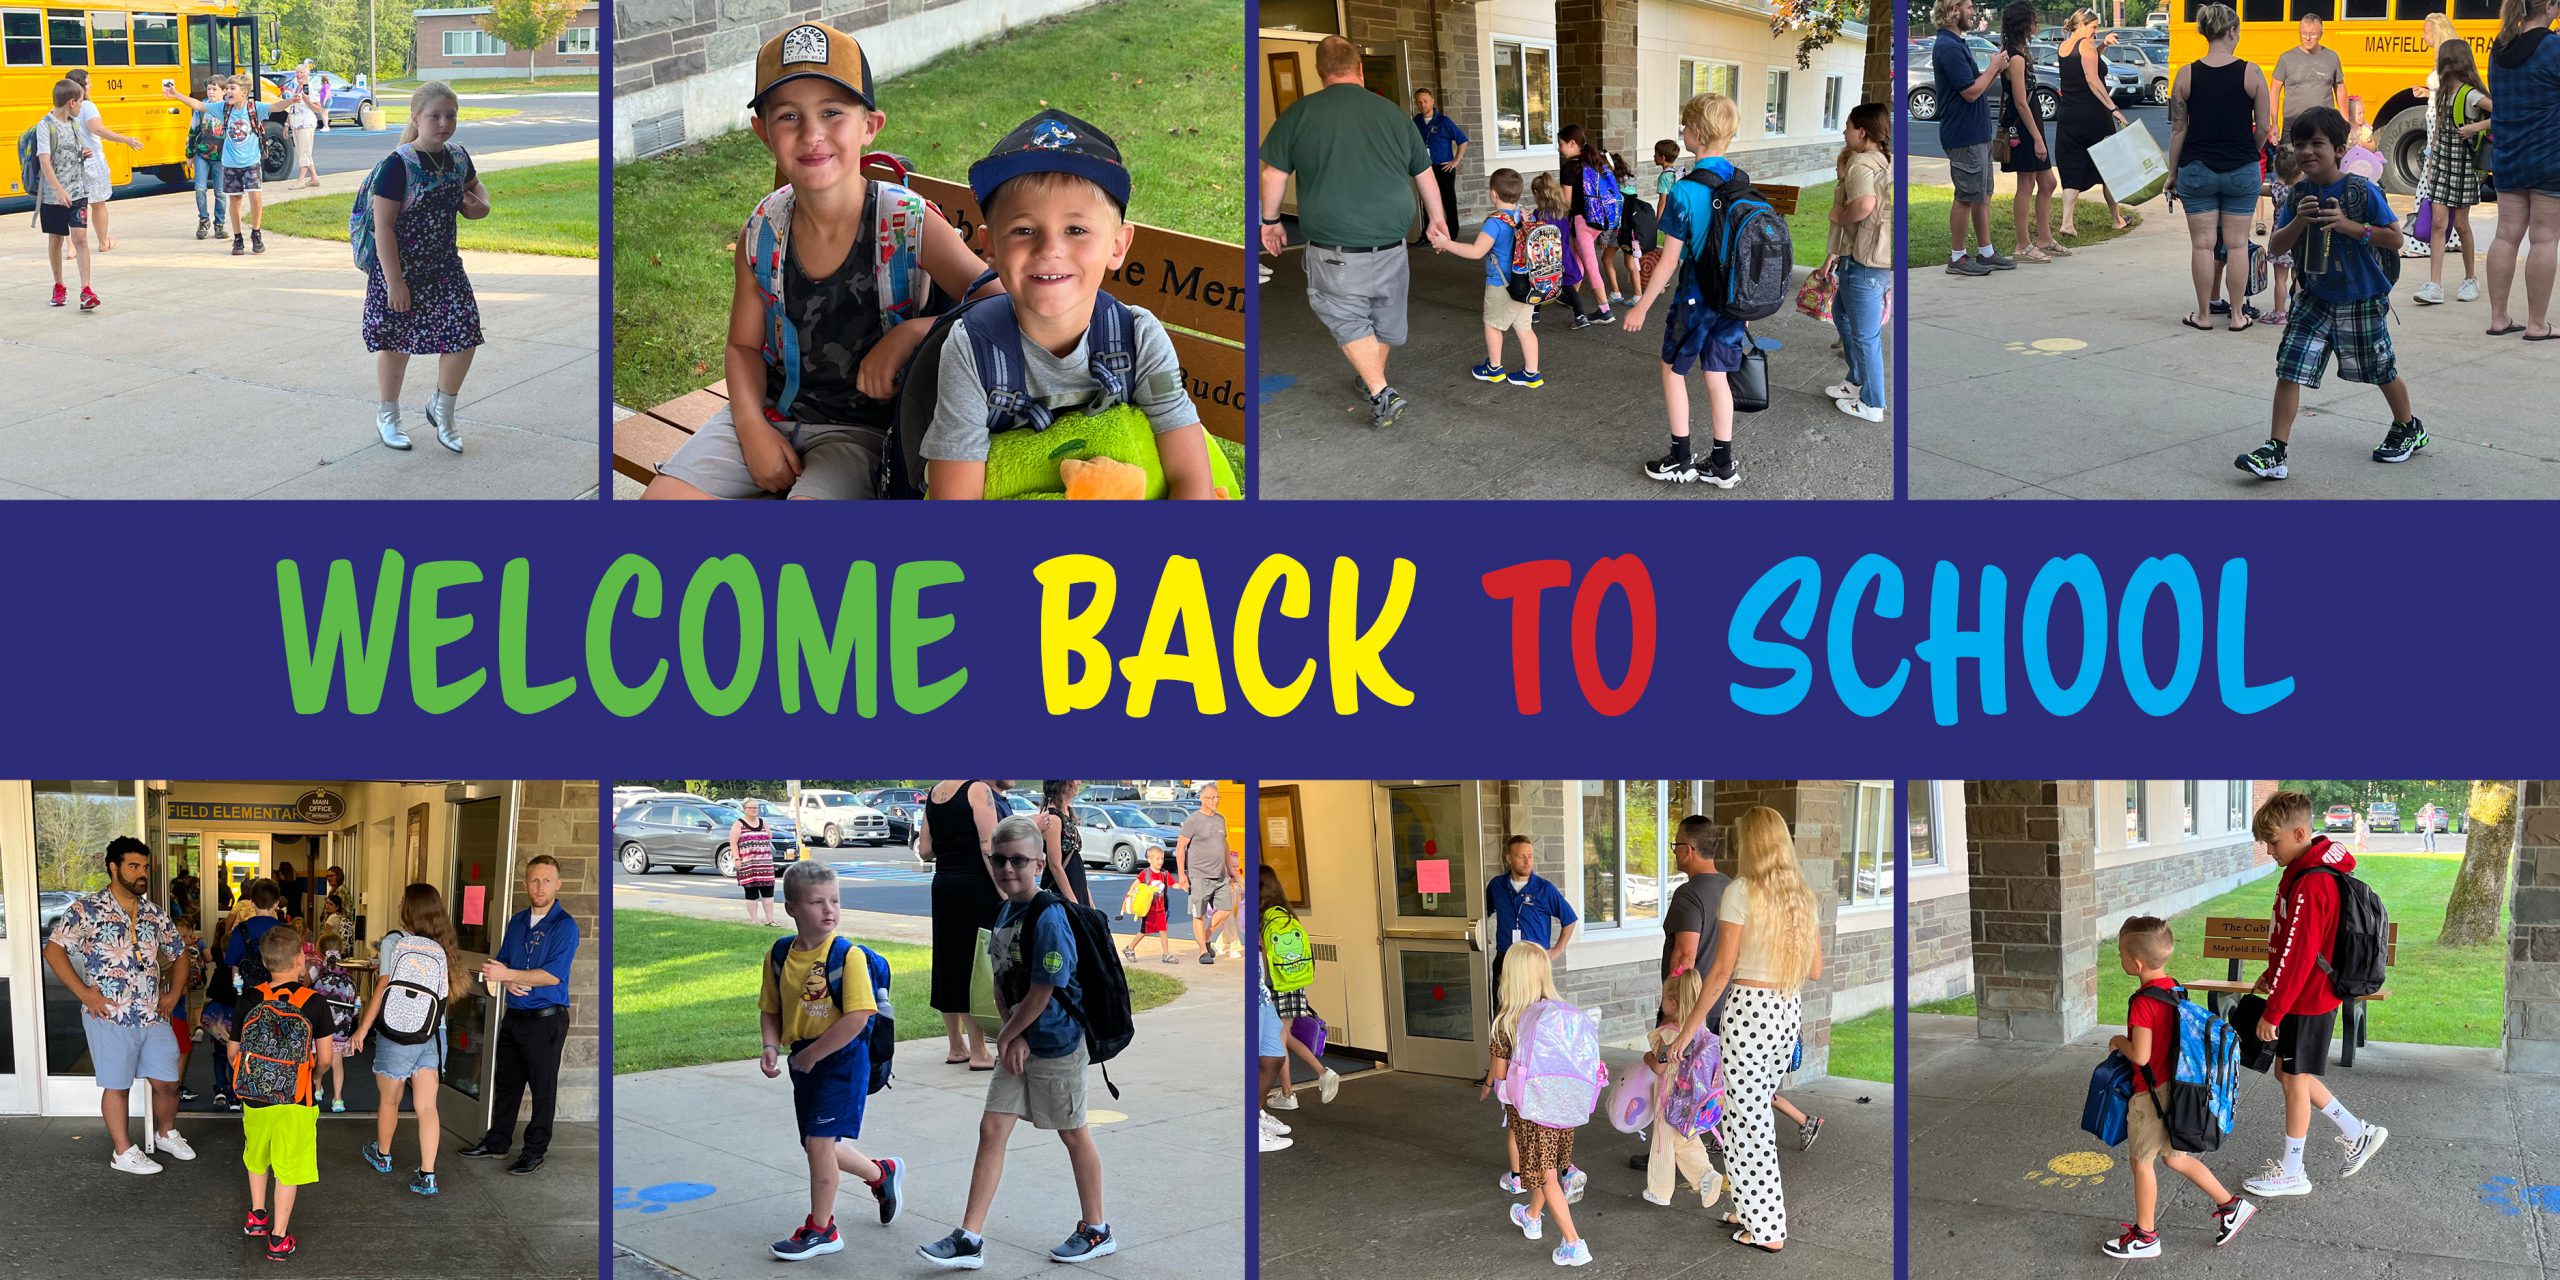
x=428, y=55
x=2167, y=885
x=1941, y=947
x=563, y=819
x=2533, y=945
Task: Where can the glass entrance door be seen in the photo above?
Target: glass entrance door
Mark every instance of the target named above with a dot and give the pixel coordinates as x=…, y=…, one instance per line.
x=1432, y=867
x=73, y=821
x=480, y=886
x=18, y=1023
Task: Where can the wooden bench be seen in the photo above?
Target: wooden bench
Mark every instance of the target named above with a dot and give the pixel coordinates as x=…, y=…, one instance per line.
x=2241, y=939
x=1193, y=284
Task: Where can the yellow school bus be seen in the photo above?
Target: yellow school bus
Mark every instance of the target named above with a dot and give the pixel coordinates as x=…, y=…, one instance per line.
x=2383, y=47
x=129, y=47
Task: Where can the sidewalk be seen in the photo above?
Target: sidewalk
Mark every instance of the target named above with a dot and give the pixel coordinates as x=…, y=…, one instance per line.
x=209, y=376
x=708, y=1170
x=73, y=1216
x=1399, y=1170
x=2005, y=1184
x=1586, y=434
x=2075, y=380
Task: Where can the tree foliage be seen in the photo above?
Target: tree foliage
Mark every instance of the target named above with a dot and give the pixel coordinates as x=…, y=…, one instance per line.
x=529, y=25
x=1816, y=23
x=72, y=831
x=332, y=34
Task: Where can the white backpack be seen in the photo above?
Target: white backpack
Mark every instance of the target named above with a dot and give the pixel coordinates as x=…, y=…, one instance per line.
x=1556, y=1075
x=414, y=983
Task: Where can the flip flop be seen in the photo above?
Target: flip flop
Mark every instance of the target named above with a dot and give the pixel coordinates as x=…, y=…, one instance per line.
x=2543, y=338
x=989, y=1067
x=2189, y=320
x=2243, y=327
x=953, y=1062
x=2511, y=328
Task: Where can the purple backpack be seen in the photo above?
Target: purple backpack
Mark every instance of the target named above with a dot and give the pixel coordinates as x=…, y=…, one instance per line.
x=1556, y=1074
x=1696, y=1102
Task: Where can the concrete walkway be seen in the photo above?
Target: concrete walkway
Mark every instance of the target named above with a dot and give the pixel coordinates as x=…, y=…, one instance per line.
x=73, y=1216
x=210, y=376
x=1586, y=434
x=2075, y=380
x=708, y=1170
x=1399, y=1170
x=2005, y=1184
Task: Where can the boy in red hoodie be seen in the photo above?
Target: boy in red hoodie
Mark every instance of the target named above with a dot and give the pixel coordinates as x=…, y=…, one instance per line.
x=2302, y=1011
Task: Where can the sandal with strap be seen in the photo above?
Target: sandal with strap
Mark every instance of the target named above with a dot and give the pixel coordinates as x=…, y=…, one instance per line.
x=2033, y=254
x=2054, y=247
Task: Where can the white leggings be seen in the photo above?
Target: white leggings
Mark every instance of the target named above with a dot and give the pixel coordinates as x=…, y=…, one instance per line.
x=1760, y=1028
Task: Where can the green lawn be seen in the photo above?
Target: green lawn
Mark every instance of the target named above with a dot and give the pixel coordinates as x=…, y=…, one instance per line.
x=1862, y=1048
x=1925, y=222
x=544, y=208
x=1810, y=227
x=2439, y=995
x=388, y=89
x=684, y=990
x=1161, y=77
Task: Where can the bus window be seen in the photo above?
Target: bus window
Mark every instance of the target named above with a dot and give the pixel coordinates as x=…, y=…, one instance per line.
x=155, y=40
x=2417, y=10
x=2475, y=10
x=2326, y=9
x=108, y=38
x=2262, y=10
x=21, y=38
x=2368, y=9
x=68, y=34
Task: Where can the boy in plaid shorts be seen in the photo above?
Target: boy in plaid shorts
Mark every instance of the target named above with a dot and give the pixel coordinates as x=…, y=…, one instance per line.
x=2344, y=308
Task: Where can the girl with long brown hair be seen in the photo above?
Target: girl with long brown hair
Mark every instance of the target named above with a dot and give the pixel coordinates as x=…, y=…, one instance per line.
x=425, y=952
x=2456, y=116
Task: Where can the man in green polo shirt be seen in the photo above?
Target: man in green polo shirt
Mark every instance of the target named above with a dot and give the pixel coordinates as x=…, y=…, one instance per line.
x=1360, y=165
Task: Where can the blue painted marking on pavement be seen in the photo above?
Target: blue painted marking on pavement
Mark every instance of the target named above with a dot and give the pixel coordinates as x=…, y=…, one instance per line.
x=1768, y=343
x=1275, y=383
x=2512, y=1198
x=656, y=1199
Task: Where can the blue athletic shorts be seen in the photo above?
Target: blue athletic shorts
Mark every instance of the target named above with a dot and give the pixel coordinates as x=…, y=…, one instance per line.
x=828, y=1101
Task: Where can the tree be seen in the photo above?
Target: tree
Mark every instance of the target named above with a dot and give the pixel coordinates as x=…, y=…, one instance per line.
x=2471, y=914
x=1879, y=83
x=529, y=24
x=1817, y=23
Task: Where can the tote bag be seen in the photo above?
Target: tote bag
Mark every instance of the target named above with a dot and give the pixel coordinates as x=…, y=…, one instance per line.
x=2131, y=165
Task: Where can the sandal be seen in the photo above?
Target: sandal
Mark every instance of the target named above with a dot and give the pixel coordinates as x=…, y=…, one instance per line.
x=2033, y=254
x=2055, y=249
x=2189, y=320
x=2505, y=329
x=1737, y=1238
x=2276, y=317
x=953, y=1062
x=2244, y=326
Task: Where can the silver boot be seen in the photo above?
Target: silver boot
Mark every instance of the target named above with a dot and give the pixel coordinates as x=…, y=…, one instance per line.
x=440, y=416
x=386, y=420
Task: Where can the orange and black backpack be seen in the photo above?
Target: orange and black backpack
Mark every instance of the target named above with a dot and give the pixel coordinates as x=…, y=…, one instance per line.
x=275, y=1050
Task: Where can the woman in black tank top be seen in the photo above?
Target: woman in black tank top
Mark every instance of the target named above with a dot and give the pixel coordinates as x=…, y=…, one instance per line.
x=959, y=820
x=2222, y=108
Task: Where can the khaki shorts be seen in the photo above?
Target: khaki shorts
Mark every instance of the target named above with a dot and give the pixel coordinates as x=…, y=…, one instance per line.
x=1049, y=1092
x=1503, y=313
x=835, y=462
x=2145, y=1137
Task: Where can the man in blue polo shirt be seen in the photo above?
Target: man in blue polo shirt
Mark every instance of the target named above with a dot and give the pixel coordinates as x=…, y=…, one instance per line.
x=1526, y=907
x=533, y=961
x=1448, y=145
x=1964, y=134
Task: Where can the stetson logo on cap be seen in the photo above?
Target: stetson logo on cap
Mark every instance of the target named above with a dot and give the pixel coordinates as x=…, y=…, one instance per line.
x=804, y=44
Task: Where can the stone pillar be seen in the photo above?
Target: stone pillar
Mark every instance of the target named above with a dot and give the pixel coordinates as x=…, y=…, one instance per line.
x=1461, y=89
x=1596, y=70
x=2033, y=876
x=1818, y=815
x=2533, y=947
x=564, y=820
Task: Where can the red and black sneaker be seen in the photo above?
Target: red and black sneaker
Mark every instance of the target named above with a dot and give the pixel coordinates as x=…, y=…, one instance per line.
x=279, y=1248
x=58, y=295
x=88, y=298
x=809, y=1241
x=256, y=1225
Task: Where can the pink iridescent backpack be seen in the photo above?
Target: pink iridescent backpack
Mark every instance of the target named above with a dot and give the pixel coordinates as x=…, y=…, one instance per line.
x=1556, y=1074
x=1696, y=1101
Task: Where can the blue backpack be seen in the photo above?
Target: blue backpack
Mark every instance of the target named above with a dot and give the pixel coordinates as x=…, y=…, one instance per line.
x=1601, y=200
x=995, y=342
x=881, y=1037
x=2102, y=1115
x=2204, y=1085
x=360, y=218
x=1744, y=267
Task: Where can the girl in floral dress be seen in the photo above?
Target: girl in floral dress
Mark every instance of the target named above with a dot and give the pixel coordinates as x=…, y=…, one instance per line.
x=417, y=299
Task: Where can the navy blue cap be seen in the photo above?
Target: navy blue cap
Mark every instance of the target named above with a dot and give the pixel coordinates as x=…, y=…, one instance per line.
x=1053, y=142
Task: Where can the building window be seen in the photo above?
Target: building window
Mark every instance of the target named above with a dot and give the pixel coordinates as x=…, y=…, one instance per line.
x=473, y=43
x=67, y=32
x=1835, y=90
x=1871, y=845
x=155, y=40
x=1773, y=121
x=2191, y=805
x=2238, y=804
x=1628, y=829
x=2137, y=816
x=1601, y=843
x=110, y=39
x=21, y=38
x=576, y=40
x=1922, y=824
x=1698, y=76
x=1524, y=94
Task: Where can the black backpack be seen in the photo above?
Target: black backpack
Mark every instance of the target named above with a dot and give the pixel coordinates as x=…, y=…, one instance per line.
x=1641, y=227
x=2363, y=941
x=251, y=973
x=1103, y=1011
x=995, y=340
x=1744, y=267
x=880, y=1036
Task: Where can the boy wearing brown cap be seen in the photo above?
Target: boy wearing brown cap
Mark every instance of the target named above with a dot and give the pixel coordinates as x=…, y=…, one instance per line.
x=828, y=267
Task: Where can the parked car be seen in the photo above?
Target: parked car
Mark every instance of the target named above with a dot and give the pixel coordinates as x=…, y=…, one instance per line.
x=2382, y=815
x=2341, y=817
x=775, y=820
x=904, y=820
x=834, y=819
x=1119, y=835
x=2150, y=79
x=346, y=101
x=1108, y=793
x=2158, y=21
x=683, y=834
x=882, y=797
x=1920, y=84
x=1166, y=815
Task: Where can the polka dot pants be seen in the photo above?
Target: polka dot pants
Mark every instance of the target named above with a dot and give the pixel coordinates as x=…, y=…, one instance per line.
x=1760, y=1029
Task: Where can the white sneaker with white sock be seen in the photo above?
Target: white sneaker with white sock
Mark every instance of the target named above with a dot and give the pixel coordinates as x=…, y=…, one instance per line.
x=175, y=1145
x=1271, y=1124
x=2369, y=1139
x=2278, y=1181
x=1279, y=1101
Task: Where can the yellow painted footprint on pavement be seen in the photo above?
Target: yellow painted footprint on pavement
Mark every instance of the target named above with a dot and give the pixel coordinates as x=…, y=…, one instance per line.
x=2047, y=347
x=2072, y=1169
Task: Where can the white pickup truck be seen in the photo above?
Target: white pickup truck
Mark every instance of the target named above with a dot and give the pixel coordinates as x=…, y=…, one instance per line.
x=835, y=819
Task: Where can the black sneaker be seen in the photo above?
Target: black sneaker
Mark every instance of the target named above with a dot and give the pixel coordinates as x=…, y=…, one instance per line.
x=2220, y=307
x=1998, y=261
x=1581, y=321
x=526, y=1163
x=1968, y=265
x=1385, y=407
x=893, y=1181
x=808, y=1242
x=1807, y=1132
x=257, y=240
x=2404, y=440
x=1087, y=1244
x=1675, y=467
x=2227, y=1222
x=203, y=225
x=237, y=248
x=481, y=1150
x=2266, y=462
x=1723, y=475
x=954, y=1251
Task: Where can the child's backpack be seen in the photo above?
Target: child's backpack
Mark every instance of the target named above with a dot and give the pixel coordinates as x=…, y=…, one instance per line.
x=1537, y=259
x=2110, y=1086
x=360, y=216
x=275, y=1050
x=2358, y=951
x=1140, y=900
x=2361, y=196
x=1696, y=1103
x=1601, y=200
x=251, y=973
x=1102, y=1003
x=1556, y=1073
x=995, y=342
x=1642, y=228
x=2465, y=99
x=897, y=232
x=414, y=982
x=2204, y=1084
x=30, y=175
x=1284, y=947
x=1743, y=268
x=880, y=1037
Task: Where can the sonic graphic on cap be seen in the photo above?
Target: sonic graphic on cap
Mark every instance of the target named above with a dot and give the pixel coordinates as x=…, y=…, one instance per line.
x=1053, y=142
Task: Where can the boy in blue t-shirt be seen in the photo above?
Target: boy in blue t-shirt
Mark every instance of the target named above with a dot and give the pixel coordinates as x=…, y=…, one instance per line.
x=1695, y=335
x=2344, y=309
x=1040, y=1053
x=1502, y=312
x=236, y=112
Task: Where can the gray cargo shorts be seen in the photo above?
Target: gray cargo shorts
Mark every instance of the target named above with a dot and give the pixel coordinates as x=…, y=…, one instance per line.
x=1359, y=295
x=835, y=462
x=1971, y=169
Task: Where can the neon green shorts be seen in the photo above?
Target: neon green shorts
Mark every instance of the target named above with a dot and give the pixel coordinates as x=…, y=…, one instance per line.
x=283, y=1140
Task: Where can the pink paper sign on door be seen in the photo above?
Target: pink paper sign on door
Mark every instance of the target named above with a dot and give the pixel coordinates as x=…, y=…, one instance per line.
x=475, y=900
x=1431, y=875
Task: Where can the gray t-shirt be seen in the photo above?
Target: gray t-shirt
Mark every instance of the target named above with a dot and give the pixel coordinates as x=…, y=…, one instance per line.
x=959, y=430
x=58, y=144
x=1693, y=910
x=2308, y=80
x=1207, y=856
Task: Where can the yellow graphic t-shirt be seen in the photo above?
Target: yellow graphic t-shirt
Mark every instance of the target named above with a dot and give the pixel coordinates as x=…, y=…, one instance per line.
x=810, y=1010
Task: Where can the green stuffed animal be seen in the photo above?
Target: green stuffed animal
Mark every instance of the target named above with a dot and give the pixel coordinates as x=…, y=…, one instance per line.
x=1024, y=464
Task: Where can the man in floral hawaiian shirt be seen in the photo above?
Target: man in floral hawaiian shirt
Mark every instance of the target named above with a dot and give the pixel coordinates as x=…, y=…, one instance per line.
x=121, y=938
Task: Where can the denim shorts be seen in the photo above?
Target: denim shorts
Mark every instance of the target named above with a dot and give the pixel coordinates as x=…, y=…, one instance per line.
x=401, y=1061
x=1275, y=1042
x=2232, y=195
x=118, y=1054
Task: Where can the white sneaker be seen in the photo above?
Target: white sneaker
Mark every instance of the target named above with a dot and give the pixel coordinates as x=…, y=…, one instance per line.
x=2276, y=1182
x=1271, y=1124
x=1274, y=1142
x=1843, y=390
x=2469, y=292
x=177, y=1146
x=1712, y=1191
x=1859, y=409
x=1328, y=1084
x=1649, y=1199
x=2428, y=294
x=131, y=1160
x=1279, y=1101
x=1530, y=1226
x=2362, y=1148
